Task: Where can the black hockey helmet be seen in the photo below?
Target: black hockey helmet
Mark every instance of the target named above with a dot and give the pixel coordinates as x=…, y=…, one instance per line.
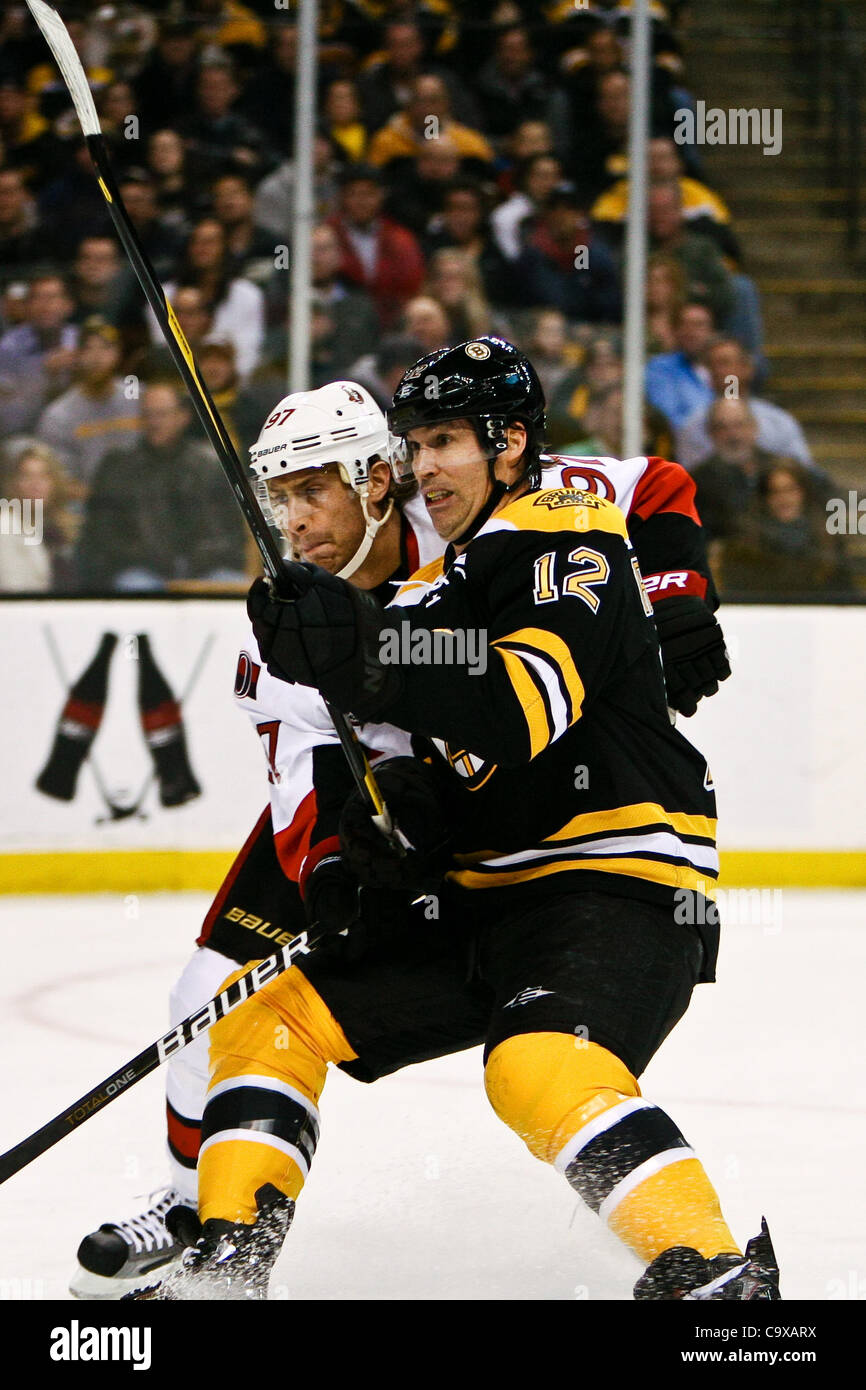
x=486, y=380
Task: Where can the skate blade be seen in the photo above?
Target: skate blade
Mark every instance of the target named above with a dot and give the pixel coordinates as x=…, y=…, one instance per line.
x=100, y=1288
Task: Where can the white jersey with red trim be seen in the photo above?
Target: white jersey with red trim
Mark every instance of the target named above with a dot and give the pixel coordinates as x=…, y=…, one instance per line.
x=301, y=746
x=657, y=497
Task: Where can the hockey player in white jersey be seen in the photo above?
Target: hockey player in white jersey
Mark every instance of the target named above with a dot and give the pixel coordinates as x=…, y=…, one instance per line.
x=322, y=460
x=346, y=523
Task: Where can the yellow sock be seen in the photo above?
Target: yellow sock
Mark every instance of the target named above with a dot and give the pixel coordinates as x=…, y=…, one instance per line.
x=269, y=1060
x=577, y=1106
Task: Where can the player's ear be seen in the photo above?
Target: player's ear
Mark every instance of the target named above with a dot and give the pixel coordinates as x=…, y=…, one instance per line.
x=380, y=481
x=508, y=465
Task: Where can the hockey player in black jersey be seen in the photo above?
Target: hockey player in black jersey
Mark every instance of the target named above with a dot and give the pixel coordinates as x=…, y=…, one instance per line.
x=583, y=841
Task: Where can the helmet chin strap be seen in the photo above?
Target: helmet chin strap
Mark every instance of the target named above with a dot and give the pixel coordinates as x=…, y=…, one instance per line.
x=373, y=527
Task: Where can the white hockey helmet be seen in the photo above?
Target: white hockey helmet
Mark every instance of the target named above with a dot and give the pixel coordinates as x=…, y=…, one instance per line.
x=336, y=424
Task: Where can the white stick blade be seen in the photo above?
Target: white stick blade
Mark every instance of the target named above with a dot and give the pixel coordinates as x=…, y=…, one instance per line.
x=65, y=56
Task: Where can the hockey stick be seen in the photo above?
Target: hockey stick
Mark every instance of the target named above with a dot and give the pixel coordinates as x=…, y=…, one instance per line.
x=153, y=1056
x=278, y=570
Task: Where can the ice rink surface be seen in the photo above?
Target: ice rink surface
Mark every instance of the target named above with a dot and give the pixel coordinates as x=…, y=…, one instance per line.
x=417, y=1190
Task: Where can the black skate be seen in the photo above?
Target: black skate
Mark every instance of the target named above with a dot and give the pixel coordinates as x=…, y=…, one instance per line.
x=125, y=1255
x=225, y=1260
x=682, y=1273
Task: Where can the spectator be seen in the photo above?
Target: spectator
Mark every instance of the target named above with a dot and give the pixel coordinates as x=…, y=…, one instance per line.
x=165, y=87
x=678, y=383
x=527, y=140
x=229, y=25
x=385, y=85
x=37, y=357
x=378, y=255
x=274, y=206
x=727, y=480
x=565, y=266
x=25, y=136
x=344, y=318
x=162, y=242
x=428, y=116
x=100, y=412
x=13, y=304
x=36, y=555
x=703, y=210
x=511, y=221
x=98, y=278
x=600, y=155
x=269, y=101
x=584, y=385
x=21, y=242
x=665, y=297
x=242, y=408
x=455, y=281
x=250, y=247
x=706, y=277
x=116, y=103
x=236, y=306
x=342, y=121
x=463, y=224
x=783, y=546
x=219, y=136
x=731, y=373
x=194, y=317
x=553, y=356
x=381, y=371
x=159, y=511
x=418, y=194
x=71, y=205
x=512, y=88
x=167, y=165
x=427, y=322
x=603, y=429
x=602, y=53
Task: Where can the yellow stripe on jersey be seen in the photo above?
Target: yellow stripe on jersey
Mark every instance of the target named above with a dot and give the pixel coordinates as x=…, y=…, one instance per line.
x=557, y=654
x=631, y=817
x=653, y=870
x=559, y=509
x=531, y=702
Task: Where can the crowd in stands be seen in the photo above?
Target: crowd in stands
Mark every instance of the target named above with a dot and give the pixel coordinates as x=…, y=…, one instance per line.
x=471, y=176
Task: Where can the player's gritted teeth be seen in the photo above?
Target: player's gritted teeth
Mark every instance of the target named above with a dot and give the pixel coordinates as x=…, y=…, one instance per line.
x=436, y=497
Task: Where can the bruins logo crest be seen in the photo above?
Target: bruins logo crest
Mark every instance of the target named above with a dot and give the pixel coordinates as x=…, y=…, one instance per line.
x=566, y=497
x=478, y=351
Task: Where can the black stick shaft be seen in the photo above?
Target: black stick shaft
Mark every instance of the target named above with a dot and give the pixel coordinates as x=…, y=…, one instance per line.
x=152, y=1057
x=278, y=569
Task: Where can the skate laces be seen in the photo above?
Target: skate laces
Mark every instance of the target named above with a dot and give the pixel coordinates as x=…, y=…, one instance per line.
x=148, y=1230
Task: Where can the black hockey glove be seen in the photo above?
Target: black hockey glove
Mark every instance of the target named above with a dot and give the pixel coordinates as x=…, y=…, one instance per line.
x=413, y=799
x=331, y=897
x=328, y=636
x=693, y=651
x=350, y=918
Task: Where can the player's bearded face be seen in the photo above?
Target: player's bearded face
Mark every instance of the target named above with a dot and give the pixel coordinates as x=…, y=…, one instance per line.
x=452, y=474
x=319, y=515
